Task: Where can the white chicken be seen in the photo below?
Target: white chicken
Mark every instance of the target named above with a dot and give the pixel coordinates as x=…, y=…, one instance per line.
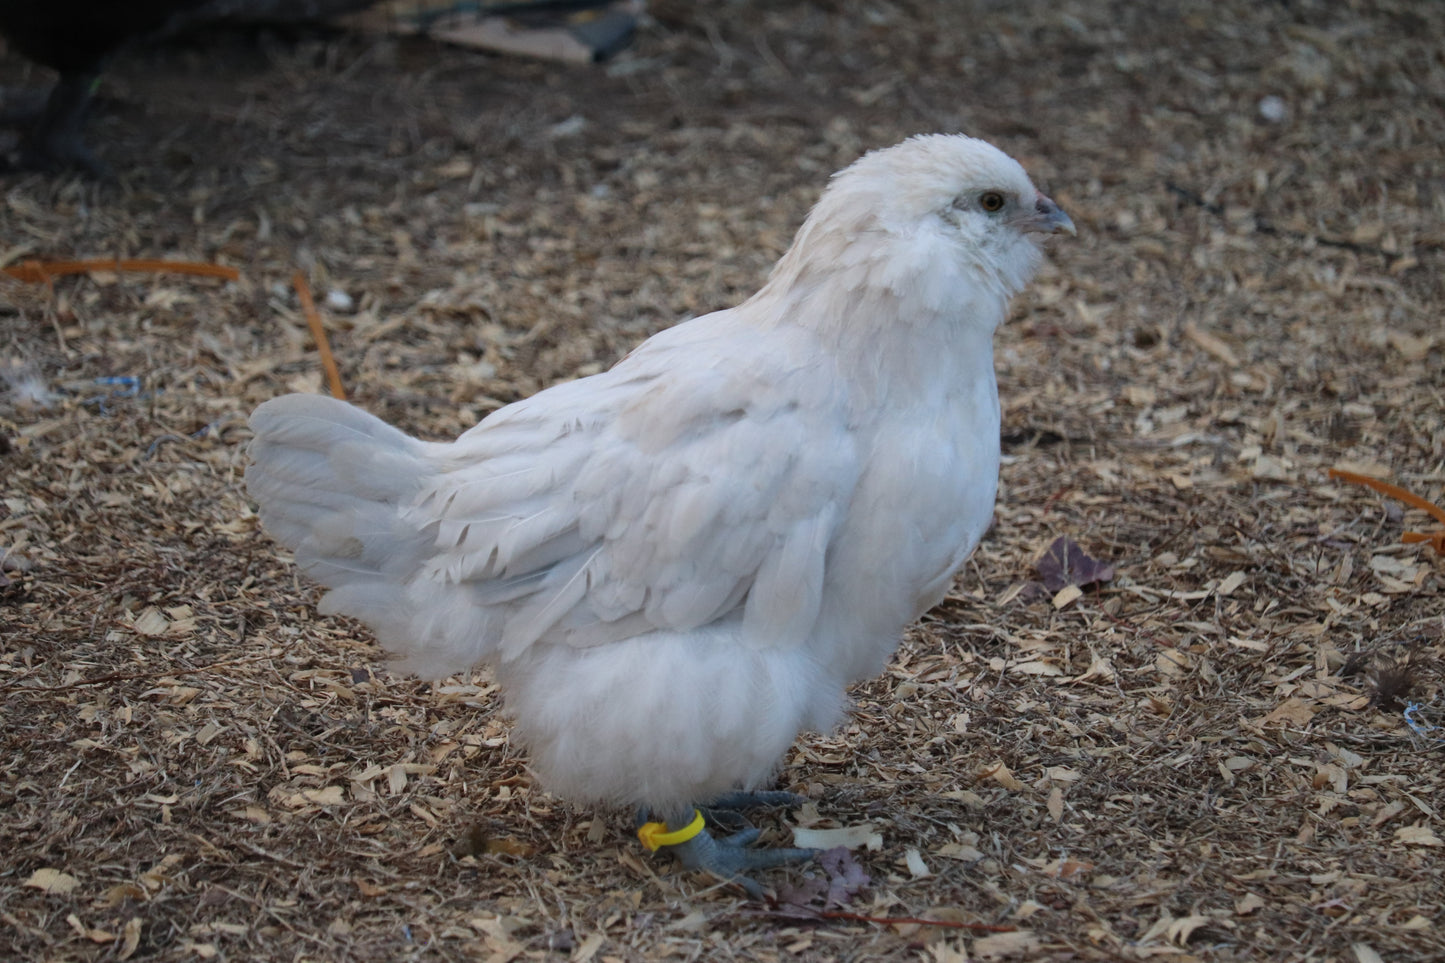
x=679, y=564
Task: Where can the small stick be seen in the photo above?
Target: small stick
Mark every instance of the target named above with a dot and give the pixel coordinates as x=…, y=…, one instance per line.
x=808, y=912
x=130, y=676
x=899, y=920
x=313, y=318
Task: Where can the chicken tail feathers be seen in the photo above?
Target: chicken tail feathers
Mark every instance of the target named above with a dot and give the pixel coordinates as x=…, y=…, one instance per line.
x=331, y=482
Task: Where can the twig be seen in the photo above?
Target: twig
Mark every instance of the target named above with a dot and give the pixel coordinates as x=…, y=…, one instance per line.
x=266, y=854
x=313, y=318
x=898, y=920
x=129, y=676
x=806, y=912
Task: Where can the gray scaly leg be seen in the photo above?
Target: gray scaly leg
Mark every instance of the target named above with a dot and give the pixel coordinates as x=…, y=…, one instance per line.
x=729, y=857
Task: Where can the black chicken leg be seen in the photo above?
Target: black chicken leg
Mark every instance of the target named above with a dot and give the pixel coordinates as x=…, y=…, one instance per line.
x=53, y=140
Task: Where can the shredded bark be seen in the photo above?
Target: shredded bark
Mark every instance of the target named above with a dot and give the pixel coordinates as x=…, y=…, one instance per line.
x=1206, y=756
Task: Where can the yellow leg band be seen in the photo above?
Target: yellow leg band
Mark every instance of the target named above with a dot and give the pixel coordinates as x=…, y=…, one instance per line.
x=655, y=835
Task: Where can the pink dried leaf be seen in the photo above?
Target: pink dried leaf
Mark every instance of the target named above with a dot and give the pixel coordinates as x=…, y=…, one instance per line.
x=846, y=878
x=841, y=878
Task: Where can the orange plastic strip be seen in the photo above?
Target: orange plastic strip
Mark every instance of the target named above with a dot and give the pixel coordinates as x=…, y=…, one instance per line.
x=41, y=272
x=1436, y=540
x=1394, y=491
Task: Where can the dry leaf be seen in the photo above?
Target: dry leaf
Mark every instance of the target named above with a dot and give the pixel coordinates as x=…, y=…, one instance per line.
x=1003, y=946
x=1364, y=953
x=964, y=851
x=1231, y=582
x=1248, y=904
x=501, y=947
x=588, y=948
x=1000, y=774
x=1067, y=595
x=1417, y=836
x=1290, y=712
x=1100, y=669
x=1172, y=663
x=1065, y=868
x=841, y=879
x=1181, y=929
x=1270, y=468
x=155, y=877
x=1036, y=667
x=121, y=892
x=1368, y=468
x=944, y=952
x=152, y=623
x=129, y=938
x=508, y=845
x=1064, y=564
x=327, y=796
x=1212, y=344
x=1387, y=813
x=1332, y=776
x=1411, y=347
x=52, y=881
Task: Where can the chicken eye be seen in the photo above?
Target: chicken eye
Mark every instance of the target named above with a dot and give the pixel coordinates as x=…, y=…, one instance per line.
x=991, y=201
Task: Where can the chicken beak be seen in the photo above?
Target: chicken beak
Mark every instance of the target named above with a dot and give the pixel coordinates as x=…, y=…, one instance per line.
x=1049, y=218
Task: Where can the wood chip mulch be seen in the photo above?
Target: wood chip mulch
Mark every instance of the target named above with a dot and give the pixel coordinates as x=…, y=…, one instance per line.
x=1226, y=746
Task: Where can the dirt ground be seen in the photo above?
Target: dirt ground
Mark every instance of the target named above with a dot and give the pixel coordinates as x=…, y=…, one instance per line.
x=1224, y=753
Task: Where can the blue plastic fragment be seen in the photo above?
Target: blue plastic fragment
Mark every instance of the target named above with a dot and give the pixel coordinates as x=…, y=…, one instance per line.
x=128, y=382
x=1419, y=728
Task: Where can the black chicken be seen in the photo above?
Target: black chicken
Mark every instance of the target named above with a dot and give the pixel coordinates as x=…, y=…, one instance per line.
x=78, y=37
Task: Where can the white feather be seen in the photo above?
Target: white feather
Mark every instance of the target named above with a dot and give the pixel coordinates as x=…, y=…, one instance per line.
x=678, y=564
